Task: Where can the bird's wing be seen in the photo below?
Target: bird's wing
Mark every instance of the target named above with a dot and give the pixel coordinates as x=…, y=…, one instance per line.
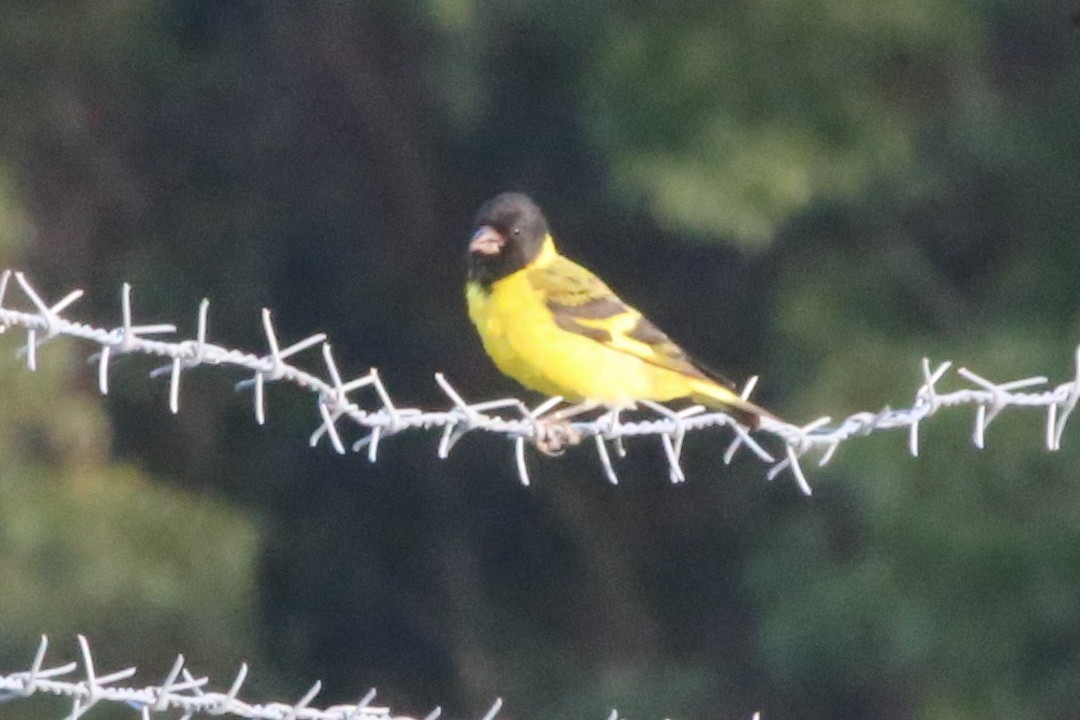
x=581, y=303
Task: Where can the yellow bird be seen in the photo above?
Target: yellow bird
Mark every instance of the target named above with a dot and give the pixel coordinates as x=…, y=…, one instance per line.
x=555, y=327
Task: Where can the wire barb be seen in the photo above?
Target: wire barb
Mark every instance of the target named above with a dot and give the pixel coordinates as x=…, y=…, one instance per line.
x=379, y=417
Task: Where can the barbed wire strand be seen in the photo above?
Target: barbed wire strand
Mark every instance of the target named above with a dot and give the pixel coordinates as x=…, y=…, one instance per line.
x=45, y=322
x=181, y=691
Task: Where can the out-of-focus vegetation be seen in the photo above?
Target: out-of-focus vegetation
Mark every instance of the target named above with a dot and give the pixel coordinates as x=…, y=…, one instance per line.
x=88, y=544
x=818, y=191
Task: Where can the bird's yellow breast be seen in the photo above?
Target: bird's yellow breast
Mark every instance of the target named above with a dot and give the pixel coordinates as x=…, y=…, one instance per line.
x=517, y=331
x=520, y=335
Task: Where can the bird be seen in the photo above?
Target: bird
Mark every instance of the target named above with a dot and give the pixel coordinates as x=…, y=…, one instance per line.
x=556, y=328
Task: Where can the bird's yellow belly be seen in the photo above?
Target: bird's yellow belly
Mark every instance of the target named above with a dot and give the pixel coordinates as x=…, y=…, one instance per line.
x=520, y=335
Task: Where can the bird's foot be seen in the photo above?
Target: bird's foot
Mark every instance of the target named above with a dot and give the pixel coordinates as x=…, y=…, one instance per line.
x=553, y=435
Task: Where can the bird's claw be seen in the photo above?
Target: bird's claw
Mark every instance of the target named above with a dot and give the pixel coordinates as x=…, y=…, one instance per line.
x=553, y=435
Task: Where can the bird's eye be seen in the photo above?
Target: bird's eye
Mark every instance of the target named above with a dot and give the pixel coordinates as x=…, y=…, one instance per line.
x=517, y=231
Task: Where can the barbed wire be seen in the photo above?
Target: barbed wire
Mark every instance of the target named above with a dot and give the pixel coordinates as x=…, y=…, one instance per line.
x=539, y=425
x=182, y=691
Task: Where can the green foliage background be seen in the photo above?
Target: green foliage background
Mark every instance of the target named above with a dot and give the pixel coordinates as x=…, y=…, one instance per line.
x=818, y=191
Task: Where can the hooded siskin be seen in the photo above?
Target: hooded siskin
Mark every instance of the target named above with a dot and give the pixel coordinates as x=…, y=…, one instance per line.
x=555, y=327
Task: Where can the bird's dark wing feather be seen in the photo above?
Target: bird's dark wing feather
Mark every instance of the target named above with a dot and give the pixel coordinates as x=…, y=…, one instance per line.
x=581, y=303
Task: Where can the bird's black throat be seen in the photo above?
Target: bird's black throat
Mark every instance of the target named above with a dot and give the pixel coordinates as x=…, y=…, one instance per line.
x=486, y=269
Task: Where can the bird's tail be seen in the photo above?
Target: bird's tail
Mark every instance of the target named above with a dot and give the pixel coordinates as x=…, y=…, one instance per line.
x=719, y=397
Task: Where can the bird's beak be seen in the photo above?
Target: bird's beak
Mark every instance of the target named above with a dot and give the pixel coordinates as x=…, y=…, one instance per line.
x=487, y=241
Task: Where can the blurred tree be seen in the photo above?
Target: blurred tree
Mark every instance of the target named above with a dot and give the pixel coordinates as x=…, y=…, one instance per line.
x=728, y=119
x=906, y=172
x=89, y=545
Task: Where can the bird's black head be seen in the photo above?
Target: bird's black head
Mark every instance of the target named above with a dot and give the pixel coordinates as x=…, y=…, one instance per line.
x=508, y=234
